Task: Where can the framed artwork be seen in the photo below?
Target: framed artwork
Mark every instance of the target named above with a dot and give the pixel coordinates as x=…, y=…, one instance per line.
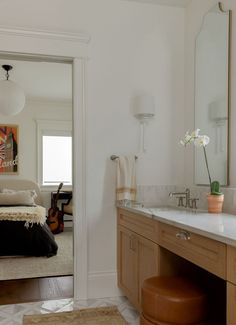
x=8, y=149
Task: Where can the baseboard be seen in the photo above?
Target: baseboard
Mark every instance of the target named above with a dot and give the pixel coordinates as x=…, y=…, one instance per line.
x=103, y=284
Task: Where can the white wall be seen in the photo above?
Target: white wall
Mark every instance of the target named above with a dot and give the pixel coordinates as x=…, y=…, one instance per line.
x=135, y=47
x=194, y=15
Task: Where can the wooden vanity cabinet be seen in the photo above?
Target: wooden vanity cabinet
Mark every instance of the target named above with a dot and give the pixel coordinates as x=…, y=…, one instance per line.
x=127, y=265
x=231, y=285
x=231, y=264
x=147, y=247
x=137, y=258
x=231, y=304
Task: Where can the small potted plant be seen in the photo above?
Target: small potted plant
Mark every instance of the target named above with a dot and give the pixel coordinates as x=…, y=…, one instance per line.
x=215, y=198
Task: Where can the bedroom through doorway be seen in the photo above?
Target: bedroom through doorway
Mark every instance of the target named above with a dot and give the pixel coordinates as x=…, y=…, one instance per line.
x=45, y=158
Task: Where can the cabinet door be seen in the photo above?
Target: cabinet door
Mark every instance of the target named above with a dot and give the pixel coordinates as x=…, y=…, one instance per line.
x=231, y=304
x=127, y=264
x=148, y=261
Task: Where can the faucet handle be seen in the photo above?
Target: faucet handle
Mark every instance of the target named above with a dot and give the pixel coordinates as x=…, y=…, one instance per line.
x=194, y=203
x=181, y=202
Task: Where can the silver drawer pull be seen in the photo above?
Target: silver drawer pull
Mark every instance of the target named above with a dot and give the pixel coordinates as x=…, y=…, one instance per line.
x=184, y=235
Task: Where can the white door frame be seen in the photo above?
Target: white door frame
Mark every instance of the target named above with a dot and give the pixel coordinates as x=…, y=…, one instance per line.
x=72, y=48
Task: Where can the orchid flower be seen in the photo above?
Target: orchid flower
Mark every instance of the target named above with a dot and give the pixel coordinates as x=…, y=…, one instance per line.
x=189, y=138
x=199, y=141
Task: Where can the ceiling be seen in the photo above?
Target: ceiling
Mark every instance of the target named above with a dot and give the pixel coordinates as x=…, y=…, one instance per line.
x=175, y=3
x=47, y=81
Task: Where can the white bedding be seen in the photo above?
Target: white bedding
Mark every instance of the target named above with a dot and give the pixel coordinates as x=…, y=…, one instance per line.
x=31, y=215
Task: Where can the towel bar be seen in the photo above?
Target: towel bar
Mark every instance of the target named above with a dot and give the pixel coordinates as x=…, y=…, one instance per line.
x=114, y=157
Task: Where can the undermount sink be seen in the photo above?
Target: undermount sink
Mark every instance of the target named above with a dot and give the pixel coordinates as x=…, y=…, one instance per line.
x=162, y=208
x=154, y=209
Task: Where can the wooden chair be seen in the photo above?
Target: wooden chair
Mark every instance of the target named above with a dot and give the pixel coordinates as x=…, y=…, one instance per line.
x=67, y=208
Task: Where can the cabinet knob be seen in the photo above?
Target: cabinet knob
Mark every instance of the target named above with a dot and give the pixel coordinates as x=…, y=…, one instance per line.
x=183, y=235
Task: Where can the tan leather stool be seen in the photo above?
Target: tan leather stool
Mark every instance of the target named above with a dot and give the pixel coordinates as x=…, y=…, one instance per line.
x=172, y=301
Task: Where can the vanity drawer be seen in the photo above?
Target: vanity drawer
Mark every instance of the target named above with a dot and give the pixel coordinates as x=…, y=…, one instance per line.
x=144, y=226
x=204, y=252
x=231, y=264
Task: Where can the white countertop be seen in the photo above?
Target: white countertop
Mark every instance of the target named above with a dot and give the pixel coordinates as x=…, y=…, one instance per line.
x=221, y=227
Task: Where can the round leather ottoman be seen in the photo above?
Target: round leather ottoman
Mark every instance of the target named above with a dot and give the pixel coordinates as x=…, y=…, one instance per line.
x=172, y=301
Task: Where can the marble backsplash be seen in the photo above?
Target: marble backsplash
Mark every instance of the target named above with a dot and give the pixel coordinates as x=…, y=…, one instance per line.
x=158, y=195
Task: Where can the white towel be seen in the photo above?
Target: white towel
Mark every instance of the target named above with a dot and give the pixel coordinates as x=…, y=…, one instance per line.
x=126, y=179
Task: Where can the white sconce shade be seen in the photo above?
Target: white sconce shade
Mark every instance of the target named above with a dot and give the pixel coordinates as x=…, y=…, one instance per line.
x=218, y=110
x=144, y=107
x=143, y=110
x=12, y=97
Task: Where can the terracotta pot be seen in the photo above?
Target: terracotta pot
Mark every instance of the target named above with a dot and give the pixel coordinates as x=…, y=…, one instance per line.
x=215, y=203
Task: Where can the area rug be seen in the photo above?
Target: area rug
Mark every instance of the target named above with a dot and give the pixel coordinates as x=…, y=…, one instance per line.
x=35, y=267
x=89, y=316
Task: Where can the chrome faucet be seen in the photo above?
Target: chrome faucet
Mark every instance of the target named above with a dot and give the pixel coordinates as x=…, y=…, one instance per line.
x=183, y=195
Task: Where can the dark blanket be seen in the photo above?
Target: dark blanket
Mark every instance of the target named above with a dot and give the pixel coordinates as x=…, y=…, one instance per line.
x=16, y=239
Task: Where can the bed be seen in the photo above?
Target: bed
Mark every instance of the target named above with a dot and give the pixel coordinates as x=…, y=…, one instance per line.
x=23, y=228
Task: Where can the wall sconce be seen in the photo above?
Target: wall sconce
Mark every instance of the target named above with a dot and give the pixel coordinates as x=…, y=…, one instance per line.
x=144, y=110
x=12, y=97
x=218, y=114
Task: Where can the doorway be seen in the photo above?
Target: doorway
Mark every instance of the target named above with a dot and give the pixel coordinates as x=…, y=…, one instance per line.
x=73, y=48
x=45, y=157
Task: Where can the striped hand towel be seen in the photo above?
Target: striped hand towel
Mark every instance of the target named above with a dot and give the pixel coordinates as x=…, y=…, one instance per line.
x=126, y=179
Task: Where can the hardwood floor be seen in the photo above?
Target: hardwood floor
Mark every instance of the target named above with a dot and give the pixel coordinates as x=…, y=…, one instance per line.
x=31, y=290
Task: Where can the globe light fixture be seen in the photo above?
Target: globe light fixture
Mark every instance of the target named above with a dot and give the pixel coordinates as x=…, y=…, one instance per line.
x=12, y=97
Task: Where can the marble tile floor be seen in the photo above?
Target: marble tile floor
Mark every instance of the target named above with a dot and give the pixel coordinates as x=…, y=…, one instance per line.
x=13, y=314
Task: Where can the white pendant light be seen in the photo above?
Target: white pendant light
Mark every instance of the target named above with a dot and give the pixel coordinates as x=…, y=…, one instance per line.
x=12, y=97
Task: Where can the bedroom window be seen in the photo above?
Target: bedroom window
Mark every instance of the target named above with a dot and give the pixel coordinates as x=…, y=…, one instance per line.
x=57, y=159
x=54, y=153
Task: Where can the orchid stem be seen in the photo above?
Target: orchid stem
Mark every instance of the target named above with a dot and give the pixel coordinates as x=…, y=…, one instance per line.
x=205, y=155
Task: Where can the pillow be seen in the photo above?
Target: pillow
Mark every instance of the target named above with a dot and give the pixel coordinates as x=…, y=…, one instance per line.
x=32, y=192
x=17, y=198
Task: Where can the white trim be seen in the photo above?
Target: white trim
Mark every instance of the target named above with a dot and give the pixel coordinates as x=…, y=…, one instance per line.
x=41, y=100
x=39, y=45
x=103, y=285
x=50, y=188
x=37, y=33
x=79, y=179
x=169, y=3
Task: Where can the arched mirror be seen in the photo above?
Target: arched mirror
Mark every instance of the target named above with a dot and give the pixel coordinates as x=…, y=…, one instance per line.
x=212, y=94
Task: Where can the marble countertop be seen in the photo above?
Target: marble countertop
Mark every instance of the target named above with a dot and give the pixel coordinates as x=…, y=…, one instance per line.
x=221, y=227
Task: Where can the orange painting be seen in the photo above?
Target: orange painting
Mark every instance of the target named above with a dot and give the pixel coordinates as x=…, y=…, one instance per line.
x=8, y=149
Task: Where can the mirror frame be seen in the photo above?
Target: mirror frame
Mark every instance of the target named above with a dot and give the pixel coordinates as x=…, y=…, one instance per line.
x=229, y=123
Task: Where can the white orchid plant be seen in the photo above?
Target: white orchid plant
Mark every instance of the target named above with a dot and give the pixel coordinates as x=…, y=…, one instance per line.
x=202, y=141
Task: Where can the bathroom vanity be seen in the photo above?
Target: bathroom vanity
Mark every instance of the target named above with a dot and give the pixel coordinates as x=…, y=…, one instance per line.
x=166, y=241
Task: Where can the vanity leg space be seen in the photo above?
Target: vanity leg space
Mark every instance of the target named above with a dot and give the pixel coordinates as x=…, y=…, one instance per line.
x=215, y=287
